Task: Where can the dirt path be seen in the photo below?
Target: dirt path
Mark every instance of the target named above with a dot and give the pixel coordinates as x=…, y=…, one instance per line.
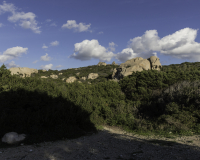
x=110, y=143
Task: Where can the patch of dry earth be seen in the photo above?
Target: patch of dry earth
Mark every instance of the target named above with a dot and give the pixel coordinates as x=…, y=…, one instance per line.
x=110, y=143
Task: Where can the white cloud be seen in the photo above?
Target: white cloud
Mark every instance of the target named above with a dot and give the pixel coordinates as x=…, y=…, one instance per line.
x=125, y=55
x=27, y=19
x=181, y=41
x=45, y=58
x=7, y=7
x=100, y=33
x=86, y=50
x=11, y=65
x=44, y=46
x=53, y=24
x=12, y=53
x=1, y=24
x=55, y=43
x=111, y=46
x=59, y=66
x=145, y=44
x=35, y=61
x=180, y=44
x=91, y=49
x=78, y=27
x=46, y=67
x=48, y=20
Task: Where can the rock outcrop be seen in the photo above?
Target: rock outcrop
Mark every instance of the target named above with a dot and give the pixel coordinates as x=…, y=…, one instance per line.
x=104, y=64
x=23, y=71
x=136, y=64
x=73, y=78
x=113, y=63
x=101, y=64
x=125, y=69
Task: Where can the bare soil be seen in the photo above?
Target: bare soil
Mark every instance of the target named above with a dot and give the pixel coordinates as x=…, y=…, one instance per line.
x=110, y=143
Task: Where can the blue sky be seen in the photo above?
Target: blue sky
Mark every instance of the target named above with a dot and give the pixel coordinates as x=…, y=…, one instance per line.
x=62, y=34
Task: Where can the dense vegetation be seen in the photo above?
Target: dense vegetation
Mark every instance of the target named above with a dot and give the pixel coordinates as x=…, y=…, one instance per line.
x=51, y=109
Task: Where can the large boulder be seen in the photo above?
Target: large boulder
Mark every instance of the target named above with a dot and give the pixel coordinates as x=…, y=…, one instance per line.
x=155, y=63
x=113, y=63
x=101, y=64
x=13, y=138
x=23, y=71
x=136, y=64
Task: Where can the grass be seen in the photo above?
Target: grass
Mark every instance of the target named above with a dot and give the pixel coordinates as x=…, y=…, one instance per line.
x=51, y=109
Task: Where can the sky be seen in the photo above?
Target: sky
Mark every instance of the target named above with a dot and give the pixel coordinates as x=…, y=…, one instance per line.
x=63, y=34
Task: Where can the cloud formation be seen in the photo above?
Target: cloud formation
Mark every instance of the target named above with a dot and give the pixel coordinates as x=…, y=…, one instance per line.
x=81, y=27
x=180, y=44
x=91, y=49
x=55, y=43
x=27, y=19
x=12, y=53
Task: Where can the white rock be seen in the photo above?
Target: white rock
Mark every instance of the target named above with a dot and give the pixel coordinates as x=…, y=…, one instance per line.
x=13, y=137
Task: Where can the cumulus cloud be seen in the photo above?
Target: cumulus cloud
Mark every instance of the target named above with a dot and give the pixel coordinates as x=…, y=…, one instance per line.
x=12, y=53
x=180, y=44
x=7, y=7
x=11, y=65
x=81, y=27
x=100, y=33
x=91, y=49
x=27, y=20
x=55, y=43
x=86, y=50
x=125, y=55
x=44, y=46
x=47, y=67
x=48, y=20
x=53, y=24
x=15, y=52
x=111, y=46
x=45, y=58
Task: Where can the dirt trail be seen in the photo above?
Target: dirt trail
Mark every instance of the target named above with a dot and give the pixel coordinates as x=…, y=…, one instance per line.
x=110, y=143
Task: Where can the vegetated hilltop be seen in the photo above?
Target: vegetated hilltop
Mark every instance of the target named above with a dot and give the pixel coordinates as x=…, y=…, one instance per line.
x=50, y=109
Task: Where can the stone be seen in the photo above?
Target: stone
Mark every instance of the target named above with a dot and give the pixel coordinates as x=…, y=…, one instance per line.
x=113, y=63
x=54, y=76
x=23, y=70
x=101, y=64
x=13, y=138
x=93, y=76
x=136, y=64
x=71, y=79
x=155, y=63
